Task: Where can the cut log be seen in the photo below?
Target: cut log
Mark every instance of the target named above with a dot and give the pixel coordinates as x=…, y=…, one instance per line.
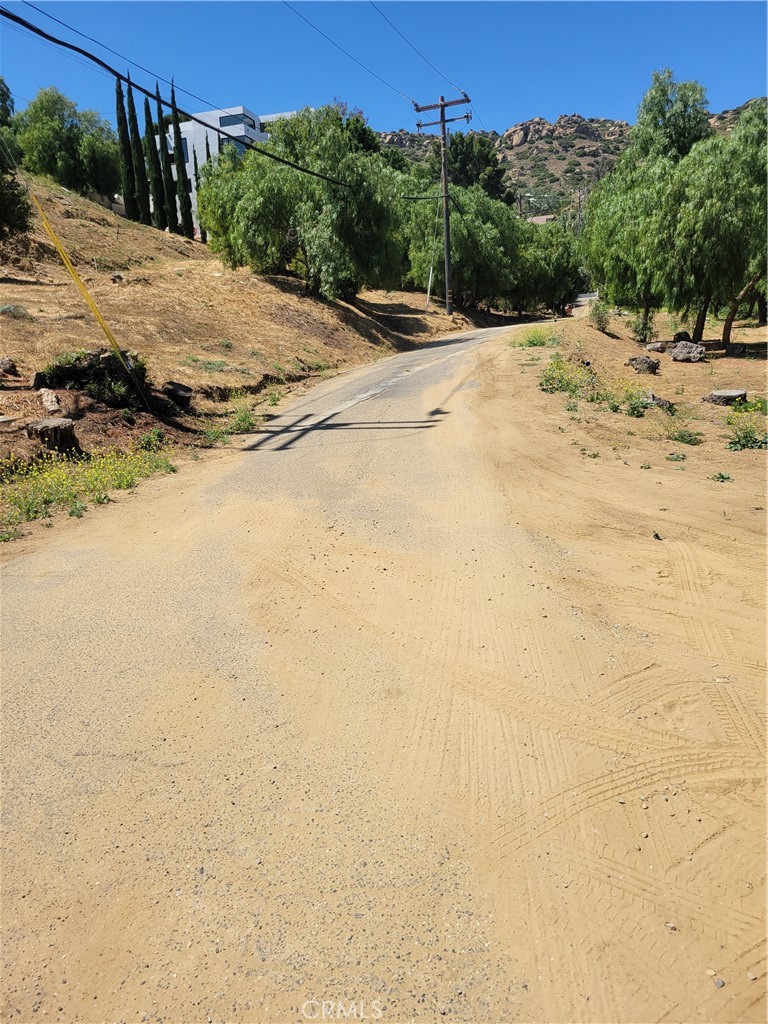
x=728, y=396
x=50, y=401
x=55, y=433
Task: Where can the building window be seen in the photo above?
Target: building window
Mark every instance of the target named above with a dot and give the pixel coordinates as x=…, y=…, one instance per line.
x=230, y=119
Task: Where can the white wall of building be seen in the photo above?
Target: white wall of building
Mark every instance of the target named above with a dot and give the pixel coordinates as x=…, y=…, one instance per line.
x=240, y=122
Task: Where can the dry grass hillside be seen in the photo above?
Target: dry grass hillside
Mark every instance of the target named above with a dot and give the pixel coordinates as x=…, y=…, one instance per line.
x=224, y=333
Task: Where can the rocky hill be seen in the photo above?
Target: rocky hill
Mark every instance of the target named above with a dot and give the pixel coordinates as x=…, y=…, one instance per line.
x=548, y=165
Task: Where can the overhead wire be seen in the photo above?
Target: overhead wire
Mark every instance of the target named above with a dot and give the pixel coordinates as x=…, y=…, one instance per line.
x=415, y=50
x=15, y=18
x=122, y=56
x=347, y=53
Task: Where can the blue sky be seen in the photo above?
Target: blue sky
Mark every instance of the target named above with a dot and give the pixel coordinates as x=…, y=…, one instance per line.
x=516, y=60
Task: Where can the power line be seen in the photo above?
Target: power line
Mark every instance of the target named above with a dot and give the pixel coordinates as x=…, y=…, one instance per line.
x=152, y=74
x=171, y=106
x=347, y=53
x=415, y=50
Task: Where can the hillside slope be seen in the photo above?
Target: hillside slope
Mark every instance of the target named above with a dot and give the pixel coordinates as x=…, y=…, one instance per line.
x=548, y=164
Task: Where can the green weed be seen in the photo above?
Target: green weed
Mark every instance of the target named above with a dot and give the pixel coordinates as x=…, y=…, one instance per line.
x=685, y=436
x=747, y=430
x=721, y=478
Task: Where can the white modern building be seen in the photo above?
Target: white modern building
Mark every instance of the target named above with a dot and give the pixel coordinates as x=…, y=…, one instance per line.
x=239, y=122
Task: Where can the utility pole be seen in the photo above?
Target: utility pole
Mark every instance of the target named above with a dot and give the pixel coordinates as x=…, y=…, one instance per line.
x=441, y=105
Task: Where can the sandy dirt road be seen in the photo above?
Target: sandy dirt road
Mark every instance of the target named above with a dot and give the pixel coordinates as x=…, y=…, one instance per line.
x=400, y=706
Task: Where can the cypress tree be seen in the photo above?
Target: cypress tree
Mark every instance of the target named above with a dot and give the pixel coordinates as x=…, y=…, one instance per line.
x=185, y=203
x=139, y=167
x=203, y=235
x=155, y=171
x=169, y=186
x=126, y=158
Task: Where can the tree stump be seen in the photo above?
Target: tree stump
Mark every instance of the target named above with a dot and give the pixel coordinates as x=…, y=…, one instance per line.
x=180, y=394
x=728, y=396
x=55, y=433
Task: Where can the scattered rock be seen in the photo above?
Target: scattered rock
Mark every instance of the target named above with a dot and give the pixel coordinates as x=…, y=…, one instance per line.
x=50, y=401
x=751, y=975
x=645, y=835
x=687, y=352
x=15, y=312
x=8, y=367
x=719, y=983
x=657, y=536
x=711, y=973
x=728, y=396
x=117, y=279
x=643, y=364
x=662, y=403
x=656, y=346
x=56, y=433
x=670, y=926
x=181, y=394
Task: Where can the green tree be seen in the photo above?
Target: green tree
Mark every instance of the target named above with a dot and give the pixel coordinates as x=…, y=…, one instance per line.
x=137, y=156
x=187, y=227
x=99, y=154
x=169, y=185
x=76, y=148
x=6, y=103
x=126, y=156
x=155, y=176
x=48, y=133
x=203, y=233
x=472, y=160
x=671, y=119
x=275, y=219
x=15, y=208
x=717, y=202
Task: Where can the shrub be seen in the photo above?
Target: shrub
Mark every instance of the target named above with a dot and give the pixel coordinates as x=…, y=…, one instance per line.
x=571, y=376
x=599, y=316
x=685, y=436
x=152, y=441
x=747, y=431
x=537, y=337
x=643, y=331
x=100, y=374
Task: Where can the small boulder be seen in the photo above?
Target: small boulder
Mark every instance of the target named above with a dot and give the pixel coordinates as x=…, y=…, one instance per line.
x=656, y=346
x=643, y=364
x=681, y=336
x=687, y=352
x=662, y=403
x=50, y=401
x=8, y=367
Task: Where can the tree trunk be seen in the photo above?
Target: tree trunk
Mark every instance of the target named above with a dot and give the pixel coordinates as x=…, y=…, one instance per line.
x=57, y=434
x=735, y=308
x=701, y=319
x=752, y=305
x=762, y=311
x=646, y=311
